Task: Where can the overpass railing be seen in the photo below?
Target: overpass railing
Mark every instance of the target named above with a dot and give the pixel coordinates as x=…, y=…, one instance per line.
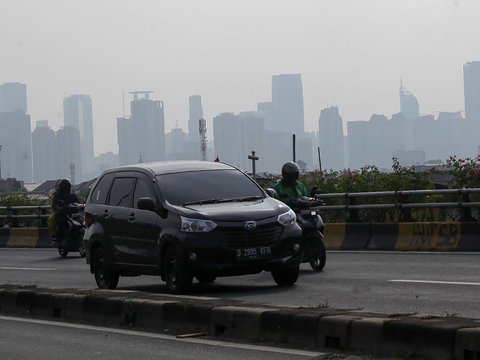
x=383, y=206
x=402, y=206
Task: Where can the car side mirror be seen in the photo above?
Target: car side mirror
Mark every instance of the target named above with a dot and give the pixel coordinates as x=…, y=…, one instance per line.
x=146, y=203
x=271, y=192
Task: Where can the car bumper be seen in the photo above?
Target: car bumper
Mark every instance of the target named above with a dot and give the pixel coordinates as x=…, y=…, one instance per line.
x=219, y=254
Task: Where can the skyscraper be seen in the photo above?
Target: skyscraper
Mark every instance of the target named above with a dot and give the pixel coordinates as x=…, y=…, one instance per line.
x=13, y=97
x=330, y=136
x=287, y=101
x=77, y=112
x=16, y=141
x=69, y=158
x=408, y=104
x=195, y=112
x=471, y=81
x=44, y=153
x=141, y=137
x=236, y=136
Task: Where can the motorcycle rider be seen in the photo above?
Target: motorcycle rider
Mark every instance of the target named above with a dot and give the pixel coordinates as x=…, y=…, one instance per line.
x=63, y=198
x=289, y=188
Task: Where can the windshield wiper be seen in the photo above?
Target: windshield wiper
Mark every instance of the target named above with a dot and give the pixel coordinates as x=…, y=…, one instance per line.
x=248, y=198
x=202, y=202
x=216, y=201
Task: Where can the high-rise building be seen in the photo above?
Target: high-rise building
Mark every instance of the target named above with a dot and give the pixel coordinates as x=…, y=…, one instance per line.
x=330, y=136
x=408, y=104
x=45, y=153
x=176, y=141
x=236, y=136
x=16, y=141
x=287, y=101
x=13, y=97
x=265, y=111
x=195, y=113
x=69, y=164
x=77, y=112
x=141, y=137
x=471, y=81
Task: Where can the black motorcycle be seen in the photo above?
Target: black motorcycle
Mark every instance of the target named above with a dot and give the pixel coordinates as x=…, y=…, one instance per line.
x=75, y=228
x=309, y=219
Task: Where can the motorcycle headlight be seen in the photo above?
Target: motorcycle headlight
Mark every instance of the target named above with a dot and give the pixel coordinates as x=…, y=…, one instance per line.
x=197, y=225
x=287, y=218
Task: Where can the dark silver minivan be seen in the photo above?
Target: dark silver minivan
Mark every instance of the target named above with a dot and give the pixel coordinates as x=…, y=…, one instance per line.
x=186, y=219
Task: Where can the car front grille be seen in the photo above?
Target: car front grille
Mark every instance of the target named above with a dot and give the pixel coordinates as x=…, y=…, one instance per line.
x=264, y=235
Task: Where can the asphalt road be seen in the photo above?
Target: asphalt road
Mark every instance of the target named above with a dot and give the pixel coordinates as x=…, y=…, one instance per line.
x=26, y=339
x=392, y=282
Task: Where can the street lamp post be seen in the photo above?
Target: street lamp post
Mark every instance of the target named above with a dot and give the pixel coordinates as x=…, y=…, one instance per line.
x=254, y=159
x=0, y=162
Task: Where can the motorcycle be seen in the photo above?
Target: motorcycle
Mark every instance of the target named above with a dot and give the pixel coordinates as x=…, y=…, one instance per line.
x=309, y=219
x=73, y=241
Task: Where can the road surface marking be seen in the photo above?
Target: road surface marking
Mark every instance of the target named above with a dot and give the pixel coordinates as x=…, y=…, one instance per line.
x=167, y=337
x=437, y=282
x=25, y=268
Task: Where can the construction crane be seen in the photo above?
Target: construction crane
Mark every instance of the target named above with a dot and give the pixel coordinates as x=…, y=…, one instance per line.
x=202, y=129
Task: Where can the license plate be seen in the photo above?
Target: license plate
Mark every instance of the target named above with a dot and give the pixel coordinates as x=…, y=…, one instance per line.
x=254, y=252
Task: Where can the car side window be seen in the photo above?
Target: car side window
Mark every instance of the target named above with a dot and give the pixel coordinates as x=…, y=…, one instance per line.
x=142, y=190
x=99, y=194
x=121, y=192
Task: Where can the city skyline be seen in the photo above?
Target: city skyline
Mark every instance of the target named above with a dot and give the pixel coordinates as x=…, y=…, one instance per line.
x=351, y=54
x=408, y=135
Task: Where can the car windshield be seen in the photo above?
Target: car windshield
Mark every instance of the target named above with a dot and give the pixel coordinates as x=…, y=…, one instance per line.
x=210, y=186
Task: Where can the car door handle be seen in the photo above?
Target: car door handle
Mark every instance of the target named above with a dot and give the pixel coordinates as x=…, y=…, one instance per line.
x=131, y=219
x=106, y=215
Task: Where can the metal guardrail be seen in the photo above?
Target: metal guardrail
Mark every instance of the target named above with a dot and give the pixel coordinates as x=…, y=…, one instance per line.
x=403, y=202
x=14, y=214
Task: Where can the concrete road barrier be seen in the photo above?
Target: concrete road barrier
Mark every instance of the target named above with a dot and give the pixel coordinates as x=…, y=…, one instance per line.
x=323, y=329
x=413, y=236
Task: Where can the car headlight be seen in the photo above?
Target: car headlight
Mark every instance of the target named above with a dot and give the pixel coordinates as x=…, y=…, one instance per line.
x=197, y=225
x=287, y=218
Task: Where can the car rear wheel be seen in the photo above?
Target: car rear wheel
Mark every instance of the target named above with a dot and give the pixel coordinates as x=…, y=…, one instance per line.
x=177, y=276
x=205, y=278
x=285, y=276
x=104, y=276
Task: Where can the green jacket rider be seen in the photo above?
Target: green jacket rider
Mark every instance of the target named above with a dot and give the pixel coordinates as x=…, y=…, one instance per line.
x=289, y=188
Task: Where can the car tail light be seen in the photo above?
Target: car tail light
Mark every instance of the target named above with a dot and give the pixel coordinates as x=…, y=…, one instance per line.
x=88, y=219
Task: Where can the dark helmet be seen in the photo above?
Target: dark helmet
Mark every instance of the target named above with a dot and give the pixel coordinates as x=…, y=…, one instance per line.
x=290, y=168
x=290, y=171
x=65, y=186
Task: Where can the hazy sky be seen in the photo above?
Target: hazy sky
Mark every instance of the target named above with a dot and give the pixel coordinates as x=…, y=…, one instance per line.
x=350, y=52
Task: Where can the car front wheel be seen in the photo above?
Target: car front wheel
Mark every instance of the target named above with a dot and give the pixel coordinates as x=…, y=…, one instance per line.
x=285, y=276
x=177, y=277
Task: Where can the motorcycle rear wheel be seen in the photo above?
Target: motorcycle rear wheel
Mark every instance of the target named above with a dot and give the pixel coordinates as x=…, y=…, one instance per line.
x=319, y=256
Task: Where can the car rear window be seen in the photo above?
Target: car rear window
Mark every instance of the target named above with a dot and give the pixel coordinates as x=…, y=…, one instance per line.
x=185, y=187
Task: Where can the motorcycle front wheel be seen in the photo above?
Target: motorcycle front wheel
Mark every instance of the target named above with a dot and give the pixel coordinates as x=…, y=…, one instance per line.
x=62, y=252
x=319, y=254
x=81, y=251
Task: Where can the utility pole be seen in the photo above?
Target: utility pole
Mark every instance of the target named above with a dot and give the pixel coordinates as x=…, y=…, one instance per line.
x=254, y=159
x=319, y=158
x=0, y=162
x=202, y=129
x=294, y=152
x=72, y=173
